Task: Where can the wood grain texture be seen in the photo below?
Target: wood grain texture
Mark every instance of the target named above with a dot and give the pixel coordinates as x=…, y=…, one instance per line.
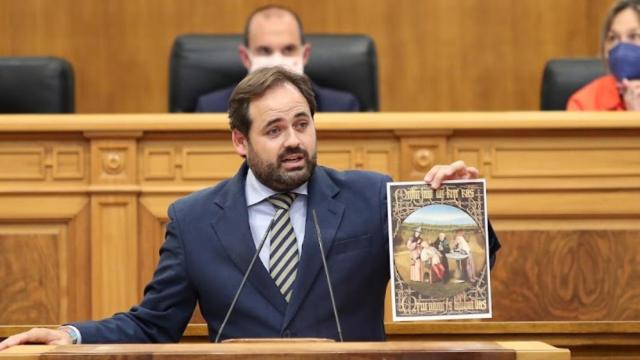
x=77, y=263
x=433, y=55
x=44, y=259
x=567, y=276
x=301, y=349
x=114, y=254
x=30, y=271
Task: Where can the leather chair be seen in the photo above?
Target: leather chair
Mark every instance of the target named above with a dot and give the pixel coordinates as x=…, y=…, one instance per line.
x=36, y=85
x=563, y=77
x=204, y=63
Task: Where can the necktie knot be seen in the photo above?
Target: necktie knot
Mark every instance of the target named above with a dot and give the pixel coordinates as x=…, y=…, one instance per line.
x=282, y=200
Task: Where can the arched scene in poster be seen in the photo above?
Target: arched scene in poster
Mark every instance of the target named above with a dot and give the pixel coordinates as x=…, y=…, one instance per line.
x=439, y=251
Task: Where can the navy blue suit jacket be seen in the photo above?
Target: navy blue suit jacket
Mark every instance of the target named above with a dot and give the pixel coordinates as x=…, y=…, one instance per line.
x=208, y=248
x=328, y=100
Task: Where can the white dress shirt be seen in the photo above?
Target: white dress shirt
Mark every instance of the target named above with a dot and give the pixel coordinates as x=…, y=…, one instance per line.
x=261, y=211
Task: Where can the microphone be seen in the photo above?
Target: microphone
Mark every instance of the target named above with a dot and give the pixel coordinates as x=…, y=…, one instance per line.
x=244, y=280
x=326, y=272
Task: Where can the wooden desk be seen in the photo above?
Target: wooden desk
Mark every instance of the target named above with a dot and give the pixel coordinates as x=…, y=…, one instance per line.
x=297, y=350
x=83, y=202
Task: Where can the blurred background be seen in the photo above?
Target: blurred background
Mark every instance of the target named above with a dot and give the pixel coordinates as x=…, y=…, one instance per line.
x=433, y=55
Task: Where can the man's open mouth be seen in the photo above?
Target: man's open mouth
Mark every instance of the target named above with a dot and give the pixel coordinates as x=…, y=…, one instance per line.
x=292, y=161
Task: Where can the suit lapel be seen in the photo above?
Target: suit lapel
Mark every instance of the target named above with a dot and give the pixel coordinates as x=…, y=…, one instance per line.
x=231, y=225
x=329, y=211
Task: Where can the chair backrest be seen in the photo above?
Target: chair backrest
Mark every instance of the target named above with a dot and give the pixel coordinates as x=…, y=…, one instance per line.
x=563, y=77
x=203, y=63
x=36, y=85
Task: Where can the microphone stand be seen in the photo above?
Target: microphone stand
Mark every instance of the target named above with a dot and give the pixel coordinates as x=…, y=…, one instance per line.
x=326, y=272
x=244, y=280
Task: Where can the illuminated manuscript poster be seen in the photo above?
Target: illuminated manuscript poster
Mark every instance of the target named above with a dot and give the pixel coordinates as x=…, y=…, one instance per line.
x=439, y=251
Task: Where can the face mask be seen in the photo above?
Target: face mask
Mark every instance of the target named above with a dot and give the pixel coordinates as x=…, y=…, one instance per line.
x=624, y=61
x=291, y=63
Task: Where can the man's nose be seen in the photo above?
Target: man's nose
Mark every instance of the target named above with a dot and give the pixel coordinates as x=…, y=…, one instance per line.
x=292, y=139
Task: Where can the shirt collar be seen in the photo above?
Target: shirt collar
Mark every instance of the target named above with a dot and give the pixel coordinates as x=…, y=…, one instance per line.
x=257, y=192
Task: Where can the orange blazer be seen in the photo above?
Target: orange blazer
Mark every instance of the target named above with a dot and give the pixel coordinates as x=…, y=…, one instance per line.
x=599, y=95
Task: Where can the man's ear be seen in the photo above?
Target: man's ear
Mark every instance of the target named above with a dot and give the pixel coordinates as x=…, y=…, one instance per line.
x=306, y=53
x=240, y=142
x=243, y=52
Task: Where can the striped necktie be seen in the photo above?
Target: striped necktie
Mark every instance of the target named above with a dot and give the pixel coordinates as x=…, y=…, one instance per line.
x=283, y=259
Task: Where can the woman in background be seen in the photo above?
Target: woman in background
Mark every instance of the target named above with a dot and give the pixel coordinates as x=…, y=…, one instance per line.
x=620, y=90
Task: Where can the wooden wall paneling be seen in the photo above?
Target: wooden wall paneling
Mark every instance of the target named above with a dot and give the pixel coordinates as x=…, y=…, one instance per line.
x=563, y=159
x=34, y=271
x=361, y=152
x=114, y=160
x=114, y=222
x=567, y=276
x=114, y=254
x=43, y=258
x=433, y=55
x=612, y=205
x=420, y=152
x=78, y=265
x=193, y=162
x=207, y=162
x=44, y=163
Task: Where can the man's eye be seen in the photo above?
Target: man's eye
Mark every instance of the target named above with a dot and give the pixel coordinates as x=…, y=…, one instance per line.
x=273, y=131
x=263, y=51
x=303, y=125
x=289, y=50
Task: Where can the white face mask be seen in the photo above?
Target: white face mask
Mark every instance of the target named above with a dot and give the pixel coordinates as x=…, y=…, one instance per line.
x=291, y=63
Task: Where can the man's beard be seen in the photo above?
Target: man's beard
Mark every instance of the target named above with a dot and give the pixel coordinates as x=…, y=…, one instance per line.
x=273, y=176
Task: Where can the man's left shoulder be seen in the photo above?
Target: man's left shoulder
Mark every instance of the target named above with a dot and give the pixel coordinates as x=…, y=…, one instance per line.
x=333, y=100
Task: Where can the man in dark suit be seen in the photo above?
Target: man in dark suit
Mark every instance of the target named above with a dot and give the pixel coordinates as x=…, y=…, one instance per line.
x=273, y=36
x=214, y=233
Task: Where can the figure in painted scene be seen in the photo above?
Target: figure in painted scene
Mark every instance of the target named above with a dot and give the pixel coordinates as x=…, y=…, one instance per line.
x=433, y=259
x=442, y=245
x=465, y=265
x=415, y=248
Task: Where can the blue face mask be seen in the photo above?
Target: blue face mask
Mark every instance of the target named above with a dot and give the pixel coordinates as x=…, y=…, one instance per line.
x=624, y=61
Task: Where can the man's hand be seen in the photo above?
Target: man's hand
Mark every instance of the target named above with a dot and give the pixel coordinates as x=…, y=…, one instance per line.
x=37, y=336
x=454, y=171
x=631, y=94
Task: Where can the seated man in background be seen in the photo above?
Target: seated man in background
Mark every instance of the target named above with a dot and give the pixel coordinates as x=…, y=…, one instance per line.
x=273, y=36
x=620, y=45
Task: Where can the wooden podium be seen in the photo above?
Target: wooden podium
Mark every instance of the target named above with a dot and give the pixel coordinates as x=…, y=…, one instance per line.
x=391, y=350
x=83, y=206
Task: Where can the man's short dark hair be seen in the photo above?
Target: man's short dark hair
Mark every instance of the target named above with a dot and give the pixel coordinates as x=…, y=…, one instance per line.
x=256, y=84
x=271, y=7
x=616, y=9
